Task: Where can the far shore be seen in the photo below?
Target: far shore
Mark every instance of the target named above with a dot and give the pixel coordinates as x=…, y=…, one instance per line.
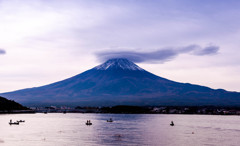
x=125, y=109
x=17, y=112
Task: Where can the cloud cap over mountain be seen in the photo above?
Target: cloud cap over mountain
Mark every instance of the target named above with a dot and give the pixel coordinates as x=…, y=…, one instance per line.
x=161, y=55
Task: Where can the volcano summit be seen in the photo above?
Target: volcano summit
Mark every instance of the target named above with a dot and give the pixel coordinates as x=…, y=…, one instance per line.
x=120, y=81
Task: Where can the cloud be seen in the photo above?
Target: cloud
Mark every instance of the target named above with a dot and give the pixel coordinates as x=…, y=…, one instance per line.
x=207, y=51
x=2, y=51
x=158, y=56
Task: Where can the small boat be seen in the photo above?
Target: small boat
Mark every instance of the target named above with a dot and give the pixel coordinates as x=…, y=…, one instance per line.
x=110, y=120
x=13, y=123
x=172, y=124
x=88, y=123
x=21, y=121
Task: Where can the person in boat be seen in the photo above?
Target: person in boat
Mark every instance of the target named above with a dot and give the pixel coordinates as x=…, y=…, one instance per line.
x=16, y=123
x=88, y=122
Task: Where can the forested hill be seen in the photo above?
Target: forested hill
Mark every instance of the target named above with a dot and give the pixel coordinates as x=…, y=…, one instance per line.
x=9, y=105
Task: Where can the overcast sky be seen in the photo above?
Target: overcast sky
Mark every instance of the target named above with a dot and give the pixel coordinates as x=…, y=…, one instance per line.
x=43, y=41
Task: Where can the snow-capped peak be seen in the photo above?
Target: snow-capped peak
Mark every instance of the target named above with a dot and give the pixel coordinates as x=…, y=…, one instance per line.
x=118, y=63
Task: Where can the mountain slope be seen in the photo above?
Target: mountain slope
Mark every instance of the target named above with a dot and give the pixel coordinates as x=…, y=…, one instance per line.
x=120, y=81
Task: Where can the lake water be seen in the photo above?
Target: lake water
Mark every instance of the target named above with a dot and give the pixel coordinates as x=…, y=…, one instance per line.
x=56, y=129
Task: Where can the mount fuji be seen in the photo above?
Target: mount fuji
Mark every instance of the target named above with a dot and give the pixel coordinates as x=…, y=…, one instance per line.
x=121, y=82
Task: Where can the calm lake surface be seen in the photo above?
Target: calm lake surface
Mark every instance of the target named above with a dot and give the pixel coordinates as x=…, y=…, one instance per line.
x=56, y=129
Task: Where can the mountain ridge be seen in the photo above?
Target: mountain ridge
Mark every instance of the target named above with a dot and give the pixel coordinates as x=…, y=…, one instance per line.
x=120, y=81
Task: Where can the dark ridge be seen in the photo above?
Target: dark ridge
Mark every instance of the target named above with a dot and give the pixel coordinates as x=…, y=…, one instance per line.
x=10, y=105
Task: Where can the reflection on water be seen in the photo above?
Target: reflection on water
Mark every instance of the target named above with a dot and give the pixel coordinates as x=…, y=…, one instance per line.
x=126, y=129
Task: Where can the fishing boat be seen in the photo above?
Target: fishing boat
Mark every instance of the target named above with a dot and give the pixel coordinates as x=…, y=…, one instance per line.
x=172, y=124
x=110, y=120
x=88, y=123
x=13, y=123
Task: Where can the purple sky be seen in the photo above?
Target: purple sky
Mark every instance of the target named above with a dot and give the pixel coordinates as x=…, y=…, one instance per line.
x=193, y=41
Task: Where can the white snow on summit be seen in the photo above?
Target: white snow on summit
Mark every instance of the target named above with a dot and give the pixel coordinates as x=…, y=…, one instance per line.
x=118, y=63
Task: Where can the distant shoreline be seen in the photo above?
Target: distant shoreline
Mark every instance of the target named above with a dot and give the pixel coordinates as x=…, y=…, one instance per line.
x=17, y=112
x=124, y=109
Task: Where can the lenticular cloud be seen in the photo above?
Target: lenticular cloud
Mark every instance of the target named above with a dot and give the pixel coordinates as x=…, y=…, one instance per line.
x=161, y=55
